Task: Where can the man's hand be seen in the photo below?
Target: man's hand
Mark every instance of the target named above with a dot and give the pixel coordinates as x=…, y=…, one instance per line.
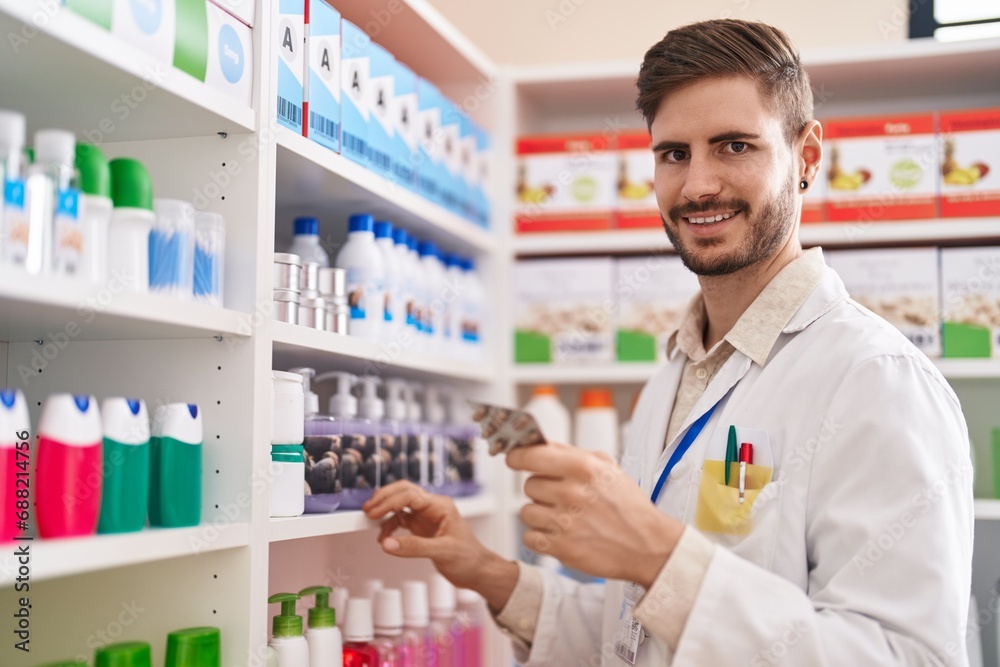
x=439, y=532
x=591, y=516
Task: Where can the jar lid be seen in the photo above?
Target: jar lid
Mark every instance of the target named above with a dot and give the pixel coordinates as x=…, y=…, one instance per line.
x=287, y=258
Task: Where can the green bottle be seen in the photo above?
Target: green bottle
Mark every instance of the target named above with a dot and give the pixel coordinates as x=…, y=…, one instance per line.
x=125, y=654
x=194, y=647
x=126, y=465
x=175, y=474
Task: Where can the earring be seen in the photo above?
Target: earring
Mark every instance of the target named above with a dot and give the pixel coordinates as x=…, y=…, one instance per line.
x=804, y=184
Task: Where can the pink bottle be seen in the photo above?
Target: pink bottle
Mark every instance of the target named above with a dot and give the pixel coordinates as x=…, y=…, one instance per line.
x=469, y=623
x=416, y=622
x=393, y=651
x=68, y=476
x=359, y=634
x=15, y=428
x=442, y=619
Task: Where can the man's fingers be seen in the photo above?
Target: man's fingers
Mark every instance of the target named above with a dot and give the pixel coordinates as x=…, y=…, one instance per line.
x=396, y=496
x=543, y=490
x=537, y=517
x=391, y=525
x=549, y=459
x=411, y=546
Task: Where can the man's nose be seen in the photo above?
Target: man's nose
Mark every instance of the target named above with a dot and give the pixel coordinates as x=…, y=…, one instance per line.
x=702, y=178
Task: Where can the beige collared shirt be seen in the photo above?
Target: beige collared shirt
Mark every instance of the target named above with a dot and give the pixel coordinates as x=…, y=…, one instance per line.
x=680, y=579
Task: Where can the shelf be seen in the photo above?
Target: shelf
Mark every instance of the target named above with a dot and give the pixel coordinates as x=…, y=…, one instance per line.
x=73, y=74
x=640, y=372
x=987, y=509
x=834, y=235
x=314, y=525
x=40, y=307
x=51, y=559
x=315, y=180
x=296, y=345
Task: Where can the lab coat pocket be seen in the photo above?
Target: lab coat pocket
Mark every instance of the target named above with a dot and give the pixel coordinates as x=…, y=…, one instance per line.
x=718, y=508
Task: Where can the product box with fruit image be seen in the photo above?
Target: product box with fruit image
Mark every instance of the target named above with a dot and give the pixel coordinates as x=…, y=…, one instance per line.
x=653, y=294
x=970, y=180
x=900, y=285
x=970, y=287
x=636, y=198
x=565, y=183
x=881, y=168
x=565, y=311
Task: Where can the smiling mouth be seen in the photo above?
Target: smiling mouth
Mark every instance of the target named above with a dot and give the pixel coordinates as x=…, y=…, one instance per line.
x=707, y=220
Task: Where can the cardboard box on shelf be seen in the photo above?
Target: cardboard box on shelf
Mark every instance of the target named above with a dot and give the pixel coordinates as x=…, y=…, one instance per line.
x=431, y=171
x=636, y=200
x=467, y=148
x=970, y=287
x=229, y=68
x=355, y=114
x=653, y=294
x=481, y=192
x=565, y=311
x=565, y=183
x=150, y=27
x=290, y=45
x=970, y=163
x=900, y=285
x=451, y=133
x=381, y=124
x=406, y=137
x=245, y=11
x=882, y=168
x=321, y=104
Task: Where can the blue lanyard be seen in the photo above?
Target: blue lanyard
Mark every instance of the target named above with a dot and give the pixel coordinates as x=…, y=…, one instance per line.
x=692, y=434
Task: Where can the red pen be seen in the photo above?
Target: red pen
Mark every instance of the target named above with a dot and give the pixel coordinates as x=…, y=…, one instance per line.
x=746, y=456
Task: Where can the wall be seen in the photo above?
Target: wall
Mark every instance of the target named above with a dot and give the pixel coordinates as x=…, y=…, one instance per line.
x=535, y=32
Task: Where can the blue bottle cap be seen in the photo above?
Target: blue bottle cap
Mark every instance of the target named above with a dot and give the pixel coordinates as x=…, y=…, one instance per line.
x=383, y=229
x=411, y=242
x=306, y=226
x=360, y=222
x=193, y=409
x=469, y=264
x=82, y=402
x=133, y=405
x=451, y=260
x=427, y=248
x=399, y=236
x=7, y=396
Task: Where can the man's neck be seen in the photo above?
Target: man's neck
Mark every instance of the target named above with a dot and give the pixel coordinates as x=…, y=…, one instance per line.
x=727, y=297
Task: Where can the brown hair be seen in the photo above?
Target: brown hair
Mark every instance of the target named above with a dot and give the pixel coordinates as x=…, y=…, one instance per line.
x=722, y=48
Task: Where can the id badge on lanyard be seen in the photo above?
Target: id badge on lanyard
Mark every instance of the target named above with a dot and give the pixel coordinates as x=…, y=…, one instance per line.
x=630, y=633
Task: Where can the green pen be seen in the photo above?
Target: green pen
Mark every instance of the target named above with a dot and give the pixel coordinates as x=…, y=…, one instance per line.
x=731, y=450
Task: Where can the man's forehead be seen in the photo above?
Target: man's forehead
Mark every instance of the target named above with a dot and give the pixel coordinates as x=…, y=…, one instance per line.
x=713, y=108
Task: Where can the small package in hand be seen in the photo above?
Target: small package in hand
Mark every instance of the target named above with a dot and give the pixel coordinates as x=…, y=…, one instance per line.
x=506, y=428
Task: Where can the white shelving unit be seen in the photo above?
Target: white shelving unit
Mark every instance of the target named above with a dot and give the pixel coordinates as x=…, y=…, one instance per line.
x=235, y=160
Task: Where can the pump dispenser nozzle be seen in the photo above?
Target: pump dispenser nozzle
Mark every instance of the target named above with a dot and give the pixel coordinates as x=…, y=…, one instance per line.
x=433, y=409
x=395, y=399
x=320, y=616
x=370, y=406
x=414, y=411
x=342, y=403
x=286, y=624
x=459, y=410
x=311, y=399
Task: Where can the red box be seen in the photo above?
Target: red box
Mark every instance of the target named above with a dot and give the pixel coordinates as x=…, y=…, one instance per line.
x=970, y=163
x=634, y=184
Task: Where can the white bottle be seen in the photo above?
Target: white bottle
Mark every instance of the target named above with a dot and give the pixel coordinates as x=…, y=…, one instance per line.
x=362, y=261
x=131, y=223
x=95, y=212
x=370, y=587
x=454, y=293
x=326, y=645
x=389, y=643
x=475, y=313
x=405, y=286
x=287, y=434
x=416, y=622
x=596, y=422
x=434, y=277
x=392, y=318
x=306, y=243
x=13, y=219
x=443, y=601
x=419, y=289
x=286, y=633
x=55, y=237
x=338, y=599
x=552, y=417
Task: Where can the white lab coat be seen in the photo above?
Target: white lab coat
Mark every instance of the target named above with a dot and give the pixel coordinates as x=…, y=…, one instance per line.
x=861, y=554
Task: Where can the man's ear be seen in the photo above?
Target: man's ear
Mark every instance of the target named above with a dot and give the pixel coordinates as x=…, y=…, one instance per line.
x=810, y=151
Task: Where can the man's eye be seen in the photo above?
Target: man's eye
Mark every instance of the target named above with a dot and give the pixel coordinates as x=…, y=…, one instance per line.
x=675, y=155
x=738, y=147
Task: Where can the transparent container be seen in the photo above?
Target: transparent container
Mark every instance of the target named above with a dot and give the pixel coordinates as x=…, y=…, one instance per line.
x=209, y=257
x=171, y=249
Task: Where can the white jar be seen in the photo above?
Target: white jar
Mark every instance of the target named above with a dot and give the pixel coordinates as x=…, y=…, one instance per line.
x=288, y=409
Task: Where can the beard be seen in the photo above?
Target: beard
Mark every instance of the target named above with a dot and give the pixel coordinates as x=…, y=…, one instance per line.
x=767, y=230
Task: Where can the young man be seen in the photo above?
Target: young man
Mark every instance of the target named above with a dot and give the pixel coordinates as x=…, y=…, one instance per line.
x=853, y=542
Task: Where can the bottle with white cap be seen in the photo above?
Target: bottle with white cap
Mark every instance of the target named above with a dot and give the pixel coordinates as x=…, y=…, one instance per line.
x=13, y=164
x=416, y=622
x=15, y=431
x=392, y=309
x=469, y=622
x=434, y=423
x=442, y=617
x=392, y=651
x=126, y=465
x=399, y=406
x=391, y=446
x=369, y=587
x=55, y=237
x=338, y=599
x=358, y=442
x=175, y=468
x=359, y=634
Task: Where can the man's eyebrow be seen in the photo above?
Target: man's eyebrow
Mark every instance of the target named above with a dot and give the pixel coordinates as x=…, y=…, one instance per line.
x=669, y=146
x=733, y=135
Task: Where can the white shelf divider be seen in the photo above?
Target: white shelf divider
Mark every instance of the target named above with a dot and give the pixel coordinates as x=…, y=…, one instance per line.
x=295, y=345
x=51, y=559
x=117, y=92
x=35, y=307
x=337, y=523
x=343, y=186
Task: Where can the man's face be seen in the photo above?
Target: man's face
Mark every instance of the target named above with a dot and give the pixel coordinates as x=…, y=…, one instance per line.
x=725, y=175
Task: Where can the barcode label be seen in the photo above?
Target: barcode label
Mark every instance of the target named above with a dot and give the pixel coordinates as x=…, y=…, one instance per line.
x=289, y=111
x=353, y=144
x=380, y=160
x=324, y=126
